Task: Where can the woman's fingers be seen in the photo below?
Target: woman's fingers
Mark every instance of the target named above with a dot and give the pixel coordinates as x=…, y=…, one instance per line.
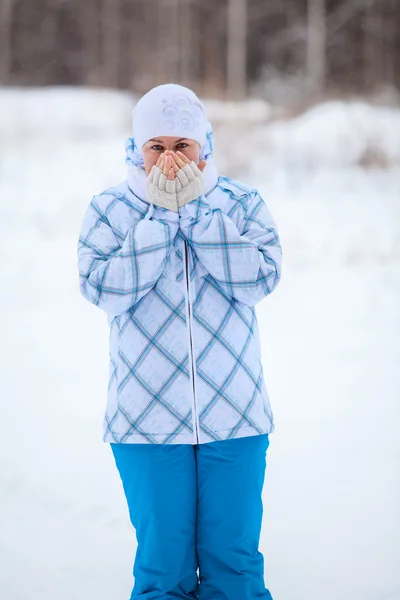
x=172, y=156
x=178, y=160
x=182, y=177
x=181, y=159
x=174, y=161
x=190, y=171
x=162, y=182
x=170, y=163
x=175, y=165
x=166, y=165
x=156, y=176
x=170, y=186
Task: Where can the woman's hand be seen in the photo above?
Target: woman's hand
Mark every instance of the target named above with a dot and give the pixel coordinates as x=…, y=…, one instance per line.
x=189, y=181
x=161, y=184
x=180, y=160
x=167, y=165
x=174, y=180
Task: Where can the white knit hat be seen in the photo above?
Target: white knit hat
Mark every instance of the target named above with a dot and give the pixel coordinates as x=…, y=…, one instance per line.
x=169, y=110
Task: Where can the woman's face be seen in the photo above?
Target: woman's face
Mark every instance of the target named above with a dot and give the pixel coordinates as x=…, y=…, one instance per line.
x=153, y=148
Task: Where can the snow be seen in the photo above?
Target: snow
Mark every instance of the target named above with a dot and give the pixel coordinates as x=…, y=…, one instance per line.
x=330, y=342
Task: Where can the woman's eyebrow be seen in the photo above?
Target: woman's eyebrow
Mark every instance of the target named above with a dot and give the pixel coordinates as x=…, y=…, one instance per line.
x=161, y=142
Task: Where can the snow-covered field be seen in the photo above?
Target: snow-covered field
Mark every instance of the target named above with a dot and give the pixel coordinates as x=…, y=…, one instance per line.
x=331, y=342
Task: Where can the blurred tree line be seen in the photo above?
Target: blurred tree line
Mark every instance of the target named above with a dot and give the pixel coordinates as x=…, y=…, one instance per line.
x=221, y=48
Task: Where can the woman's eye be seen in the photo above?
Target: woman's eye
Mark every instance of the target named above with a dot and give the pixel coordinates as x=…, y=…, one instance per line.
x=182, y=145
x=156, y=148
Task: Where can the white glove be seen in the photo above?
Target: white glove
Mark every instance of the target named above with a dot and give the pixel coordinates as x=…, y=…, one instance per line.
x=173, y=194
x=160, y=190
x=189, y=184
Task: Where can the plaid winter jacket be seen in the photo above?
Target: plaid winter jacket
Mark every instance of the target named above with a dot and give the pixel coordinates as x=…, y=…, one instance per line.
x=179, y=291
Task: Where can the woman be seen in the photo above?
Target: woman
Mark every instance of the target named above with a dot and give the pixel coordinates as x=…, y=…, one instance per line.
x=177, y=257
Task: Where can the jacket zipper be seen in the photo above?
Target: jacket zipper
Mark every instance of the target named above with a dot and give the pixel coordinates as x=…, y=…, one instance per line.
x=191, y=360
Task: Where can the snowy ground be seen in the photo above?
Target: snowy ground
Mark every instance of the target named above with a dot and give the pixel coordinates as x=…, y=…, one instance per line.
x=330, y=334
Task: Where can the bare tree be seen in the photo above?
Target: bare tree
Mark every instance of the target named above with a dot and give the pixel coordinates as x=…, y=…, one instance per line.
x=111, y=40
x=237, y=49
x=90, y=26
x=316, y=45
x=6, y=9
x=188, y=43
x=373, y=46
x=218, y=47
x=392, y=36
x=171, y=24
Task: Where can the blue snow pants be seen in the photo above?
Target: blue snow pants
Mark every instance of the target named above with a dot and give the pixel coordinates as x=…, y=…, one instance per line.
x=196, y=508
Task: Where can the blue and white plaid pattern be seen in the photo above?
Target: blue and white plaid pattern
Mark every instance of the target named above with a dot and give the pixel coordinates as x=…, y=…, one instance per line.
x=131, y=265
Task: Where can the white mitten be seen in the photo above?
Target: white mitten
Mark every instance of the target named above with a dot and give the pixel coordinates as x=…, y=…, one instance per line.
x=189, y=184
x=160, y=190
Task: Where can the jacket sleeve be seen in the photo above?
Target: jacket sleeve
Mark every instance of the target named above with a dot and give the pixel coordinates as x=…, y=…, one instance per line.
x=246, y=264
x=115, y=271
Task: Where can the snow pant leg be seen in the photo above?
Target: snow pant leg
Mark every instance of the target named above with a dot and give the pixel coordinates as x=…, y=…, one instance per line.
x=230, y=481
x=160, y=488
